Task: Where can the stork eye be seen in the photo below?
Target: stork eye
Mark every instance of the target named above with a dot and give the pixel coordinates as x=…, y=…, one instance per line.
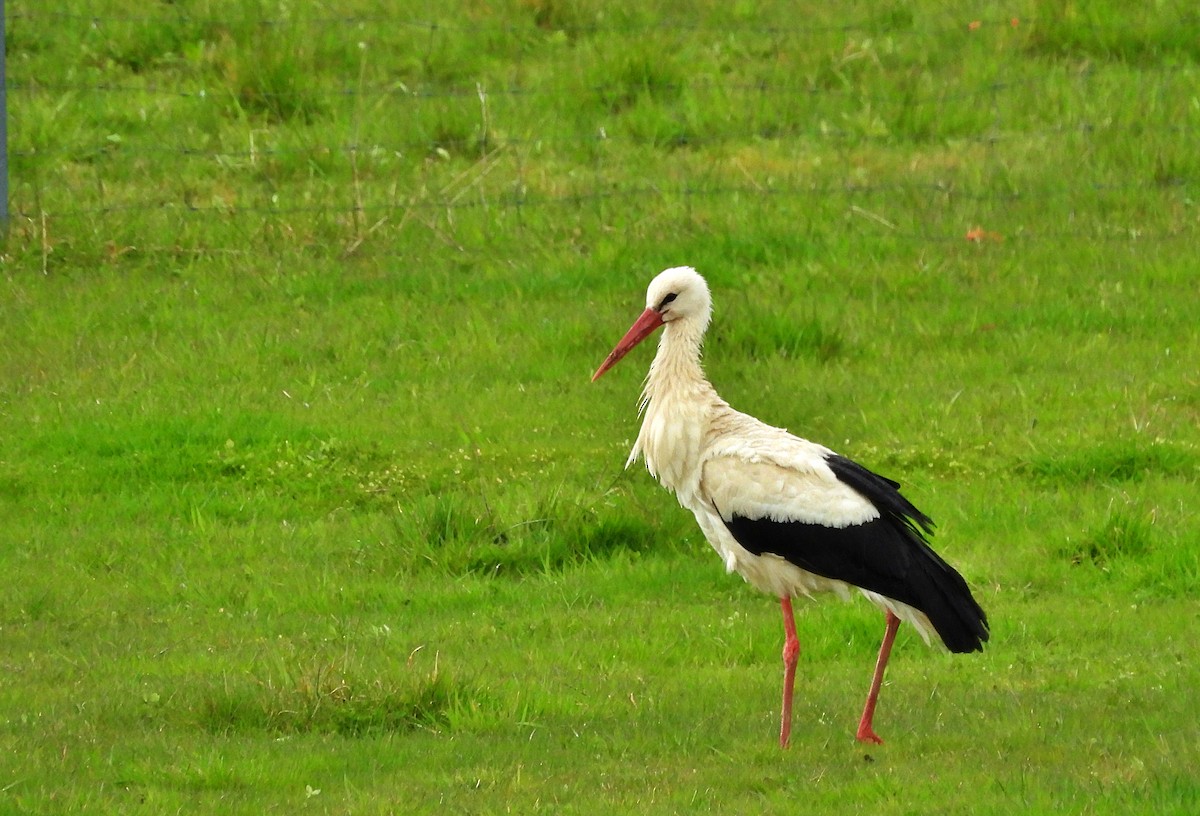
x=669, y=298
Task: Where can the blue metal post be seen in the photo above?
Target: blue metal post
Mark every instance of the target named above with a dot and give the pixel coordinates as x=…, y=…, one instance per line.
x=3, y=125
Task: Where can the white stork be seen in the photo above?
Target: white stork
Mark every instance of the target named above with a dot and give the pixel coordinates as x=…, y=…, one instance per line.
x=790, y=516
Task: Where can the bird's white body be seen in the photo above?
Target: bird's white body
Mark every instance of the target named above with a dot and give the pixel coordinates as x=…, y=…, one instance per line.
x=718, y=460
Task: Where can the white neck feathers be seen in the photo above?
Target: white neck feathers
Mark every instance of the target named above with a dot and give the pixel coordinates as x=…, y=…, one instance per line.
x=677, y=403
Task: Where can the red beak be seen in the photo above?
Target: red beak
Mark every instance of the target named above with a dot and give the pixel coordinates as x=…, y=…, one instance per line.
x=639, y=331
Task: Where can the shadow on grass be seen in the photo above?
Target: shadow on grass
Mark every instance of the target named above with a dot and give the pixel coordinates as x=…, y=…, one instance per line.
x=1121, y=536
x=1115, y=461
x=332, y=699
x=1108, y=31
x=774, y=333
x=459, y=532
x=1126, y=544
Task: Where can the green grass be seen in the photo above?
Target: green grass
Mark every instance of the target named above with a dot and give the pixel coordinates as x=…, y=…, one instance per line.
x=307, y=502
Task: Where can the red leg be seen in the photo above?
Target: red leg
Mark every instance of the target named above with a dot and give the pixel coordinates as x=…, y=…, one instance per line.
x=865, y=732
x=791, y=651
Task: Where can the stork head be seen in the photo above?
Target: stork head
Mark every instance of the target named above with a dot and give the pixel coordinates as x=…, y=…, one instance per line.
x=676, y=296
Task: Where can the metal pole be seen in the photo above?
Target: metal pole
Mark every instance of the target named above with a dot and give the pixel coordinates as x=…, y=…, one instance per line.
x=3, y=125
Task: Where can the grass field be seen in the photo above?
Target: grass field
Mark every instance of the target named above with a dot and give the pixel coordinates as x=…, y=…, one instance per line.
x=307, y=504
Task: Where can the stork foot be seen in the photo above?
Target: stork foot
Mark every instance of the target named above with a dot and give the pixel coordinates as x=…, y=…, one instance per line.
x=868, y=735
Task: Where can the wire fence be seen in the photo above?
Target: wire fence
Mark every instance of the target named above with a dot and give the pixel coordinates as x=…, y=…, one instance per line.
x=94, y=153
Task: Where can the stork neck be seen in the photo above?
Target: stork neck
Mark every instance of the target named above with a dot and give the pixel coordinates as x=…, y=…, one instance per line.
x=676, y=371
x=676, y=403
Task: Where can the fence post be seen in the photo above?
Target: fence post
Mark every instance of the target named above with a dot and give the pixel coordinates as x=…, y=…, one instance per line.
x=3, y=124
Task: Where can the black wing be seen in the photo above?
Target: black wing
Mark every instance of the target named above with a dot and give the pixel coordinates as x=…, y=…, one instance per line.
x=887, y=555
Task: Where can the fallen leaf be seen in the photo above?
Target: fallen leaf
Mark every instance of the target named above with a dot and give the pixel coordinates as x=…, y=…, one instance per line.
x=979, y=234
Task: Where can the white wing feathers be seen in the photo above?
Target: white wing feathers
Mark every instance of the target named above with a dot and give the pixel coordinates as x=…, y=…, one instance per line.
x=768, y=473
